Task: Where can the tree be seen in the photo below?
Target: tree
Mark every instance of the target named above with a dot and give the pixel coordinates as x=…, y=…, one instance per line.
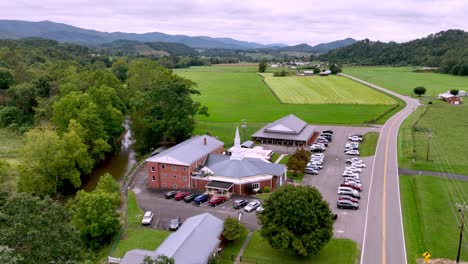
x=232, y=228
x=37, y=230
x=262, y=66
x=161, y=259
x=454, y=92
x=335, y=69
x=316, y=70
x=165, y=112
x=7, y=256
x=7, y=180
x=296, y=164
x=296, y=219
x=6, y=79
x=95, y=215
x=419, y=90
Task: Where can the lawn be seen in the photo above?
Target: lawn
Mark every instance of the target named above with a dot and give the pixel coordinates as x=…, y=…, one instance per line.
x=448, y=146
x=430, y=216
x=369, y=142
x=324, y=90
x=137, y=236
x=10, y=143
x=341, y=251
x=232, y=248
x=403, y=80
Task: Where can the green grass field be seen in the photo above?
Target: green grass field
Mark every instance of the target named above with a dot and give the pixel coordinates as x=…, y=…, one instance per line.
x=341, y=251
x=232, y=248
x=403, y=80
x=137, y=236
x=429, y=216
x=233, y=93
x=448, y=147
x=10, y=143
x=368, y=145
x=324, y=90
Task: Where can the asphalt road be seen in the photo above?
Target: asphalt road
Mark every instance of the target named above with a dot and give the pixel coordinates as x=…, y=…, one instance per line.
x=384, y=240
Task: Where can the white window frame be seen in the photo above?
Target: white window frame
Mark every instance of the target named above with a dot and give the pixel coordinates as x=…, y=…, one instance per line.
x=173, y=167
x=185, y=178
x=163, y=166
x=163, y=175
x=174, y=176
x=163, y=184
x=256, y=184
x=174, y=186
x=154, y=178
x=185, y=168
x=152, y=169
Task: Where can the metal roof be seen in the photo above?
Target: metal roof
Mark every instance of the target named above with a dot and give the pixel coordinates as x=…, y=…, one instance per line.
x=137, y=256
x=223, y=165
x=195, y=241
x=189, y=151
x=220, y=185
x=304, y=135
x=248, y=144
x=289, y=124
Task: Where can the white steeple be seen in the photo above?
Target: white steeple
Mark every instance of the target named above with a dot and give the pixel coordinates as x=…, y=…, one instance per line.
x=237, y=151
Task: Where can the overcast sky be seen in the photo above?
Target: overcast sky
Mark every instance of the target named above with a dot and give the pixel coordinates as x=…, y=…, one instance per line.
x=272, y=21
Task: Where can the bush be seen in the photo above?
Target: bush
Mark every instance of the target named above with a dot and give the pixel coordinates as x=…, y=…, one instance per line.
x=430, y=102
x=280, y=74
x=266, y=189
x=10, y=115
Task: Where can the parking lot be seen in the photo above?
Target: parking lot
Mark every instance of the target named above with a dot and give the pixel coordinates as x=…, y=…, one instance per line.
x=350, y=223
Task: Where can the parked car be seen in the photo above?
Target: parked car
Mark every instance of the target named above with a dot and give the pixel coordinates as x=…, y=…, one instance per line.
x=311, y=171
x=320, y=155
x=322, y=140
x=353, y=169
x=345, y=204
x=217, y=200
x=352, y=152
x=328, y=131
x=351, y=192
x=319, y=150
x=315, y=166
x=350, y=174
x=347, y=197
x=260, y=209
x=349, y=178
x=358, y=164
x=350, y=148
x=189, y=198
x=327, y=137
x=201, y=199
x=315, y=163
x=353, y=160
x=252, y=206
x=147, y=218
x=353, y=182
x=180, y=195
x=175, y=223
x=349, y=184
x=239, y=203
x=356, y=135
x=355, y=138
x=352, y=144
x=170, y=194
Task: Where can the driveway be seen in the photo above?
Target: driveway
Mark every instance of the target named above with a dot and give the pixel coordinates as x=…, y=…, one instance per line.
x=350, y=223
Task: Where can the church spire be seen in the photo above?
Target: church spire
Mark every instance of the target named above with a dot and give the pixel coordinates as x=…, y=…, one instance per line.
x=237, y=150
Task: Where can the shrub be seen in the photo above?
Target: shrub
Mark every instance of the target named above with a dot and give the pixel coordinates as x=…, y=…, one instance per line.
x=266, y=189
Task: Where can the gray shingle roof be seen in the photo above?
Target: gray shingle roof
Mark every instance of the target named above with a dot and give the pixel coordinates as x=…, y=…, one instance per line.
x=289, y=124
x=222, y=165
x=304, y=135
x=137, y=256
x=189, y=151
x=195, y=240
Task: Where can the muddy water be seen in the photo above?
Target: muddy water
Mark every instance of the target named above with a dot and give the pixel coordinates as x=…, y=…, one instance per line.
x=117, y=164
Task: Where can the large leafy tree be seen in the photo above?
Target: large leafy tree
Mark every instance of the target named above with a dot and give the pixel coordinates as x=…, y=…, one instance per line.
x=296, y=219
x=419, y=90
x=47, y=161
x=37, y=231
x=6, y=79
x=95, y=215
x=164, y=111
x=232, y=228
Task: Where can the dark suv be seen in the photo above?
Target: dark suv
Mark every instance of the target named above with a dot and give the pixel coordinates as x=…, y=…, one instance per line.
x=239, y=203
x=189, y=198
x=170, y=194
x=346, y=204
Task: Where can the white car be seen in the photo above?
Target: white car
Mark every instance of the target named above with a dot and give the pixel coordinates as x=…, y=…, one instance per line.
x=350, y=178
x=352, y=152
x=350, y=174
x=320, y=155
x=147, y=218
x=353, y=169
x=254, y=204
x=355, y=138
x=358, y=165
x=352, y=144
x=260, y=209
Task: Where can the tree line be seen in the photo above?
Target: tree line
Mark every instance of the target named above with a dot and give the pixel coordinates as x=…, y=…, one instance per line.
x=446, y=50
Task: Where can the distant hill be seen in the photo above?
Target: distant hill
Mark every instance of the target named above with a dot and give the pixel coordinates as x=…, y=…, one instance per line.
x=446, y=49
x=320, y=48
x=15, y=29
x=158, y=49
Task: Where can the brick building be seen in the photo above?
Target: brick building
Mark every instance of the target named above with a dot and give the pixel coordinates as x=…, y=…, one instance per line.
x=198, y=163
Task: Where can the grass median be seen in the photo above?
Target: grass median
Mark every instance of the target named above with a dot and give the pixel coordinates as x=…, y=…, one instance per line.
x=368, y=145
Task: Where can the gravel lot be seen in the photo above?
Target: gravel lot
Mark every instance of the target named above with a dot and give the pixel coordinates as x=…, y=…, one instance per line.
x=350, y=223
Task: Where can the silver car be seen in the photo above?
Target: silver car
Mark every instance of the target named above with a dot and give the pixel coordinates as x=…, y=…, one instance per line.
x=147, y=218
x=252, y=206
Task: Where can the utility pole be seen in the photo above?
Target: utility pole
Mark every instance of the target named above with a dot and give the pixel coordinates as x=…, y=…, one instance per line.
x=429, y=136
x=461, y=209
x=243, y=125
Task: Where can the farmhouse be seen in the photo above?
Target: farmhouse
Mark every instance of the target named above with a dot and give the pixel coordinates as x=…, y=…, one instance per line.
x=287, y=131
x=197, y=163
x=195, y=241
x=308, y=73
x=450, y=98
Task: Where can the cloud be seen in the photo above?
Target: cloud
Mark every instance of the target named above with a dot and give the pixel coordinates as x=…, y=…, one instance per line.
x=291, y=22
